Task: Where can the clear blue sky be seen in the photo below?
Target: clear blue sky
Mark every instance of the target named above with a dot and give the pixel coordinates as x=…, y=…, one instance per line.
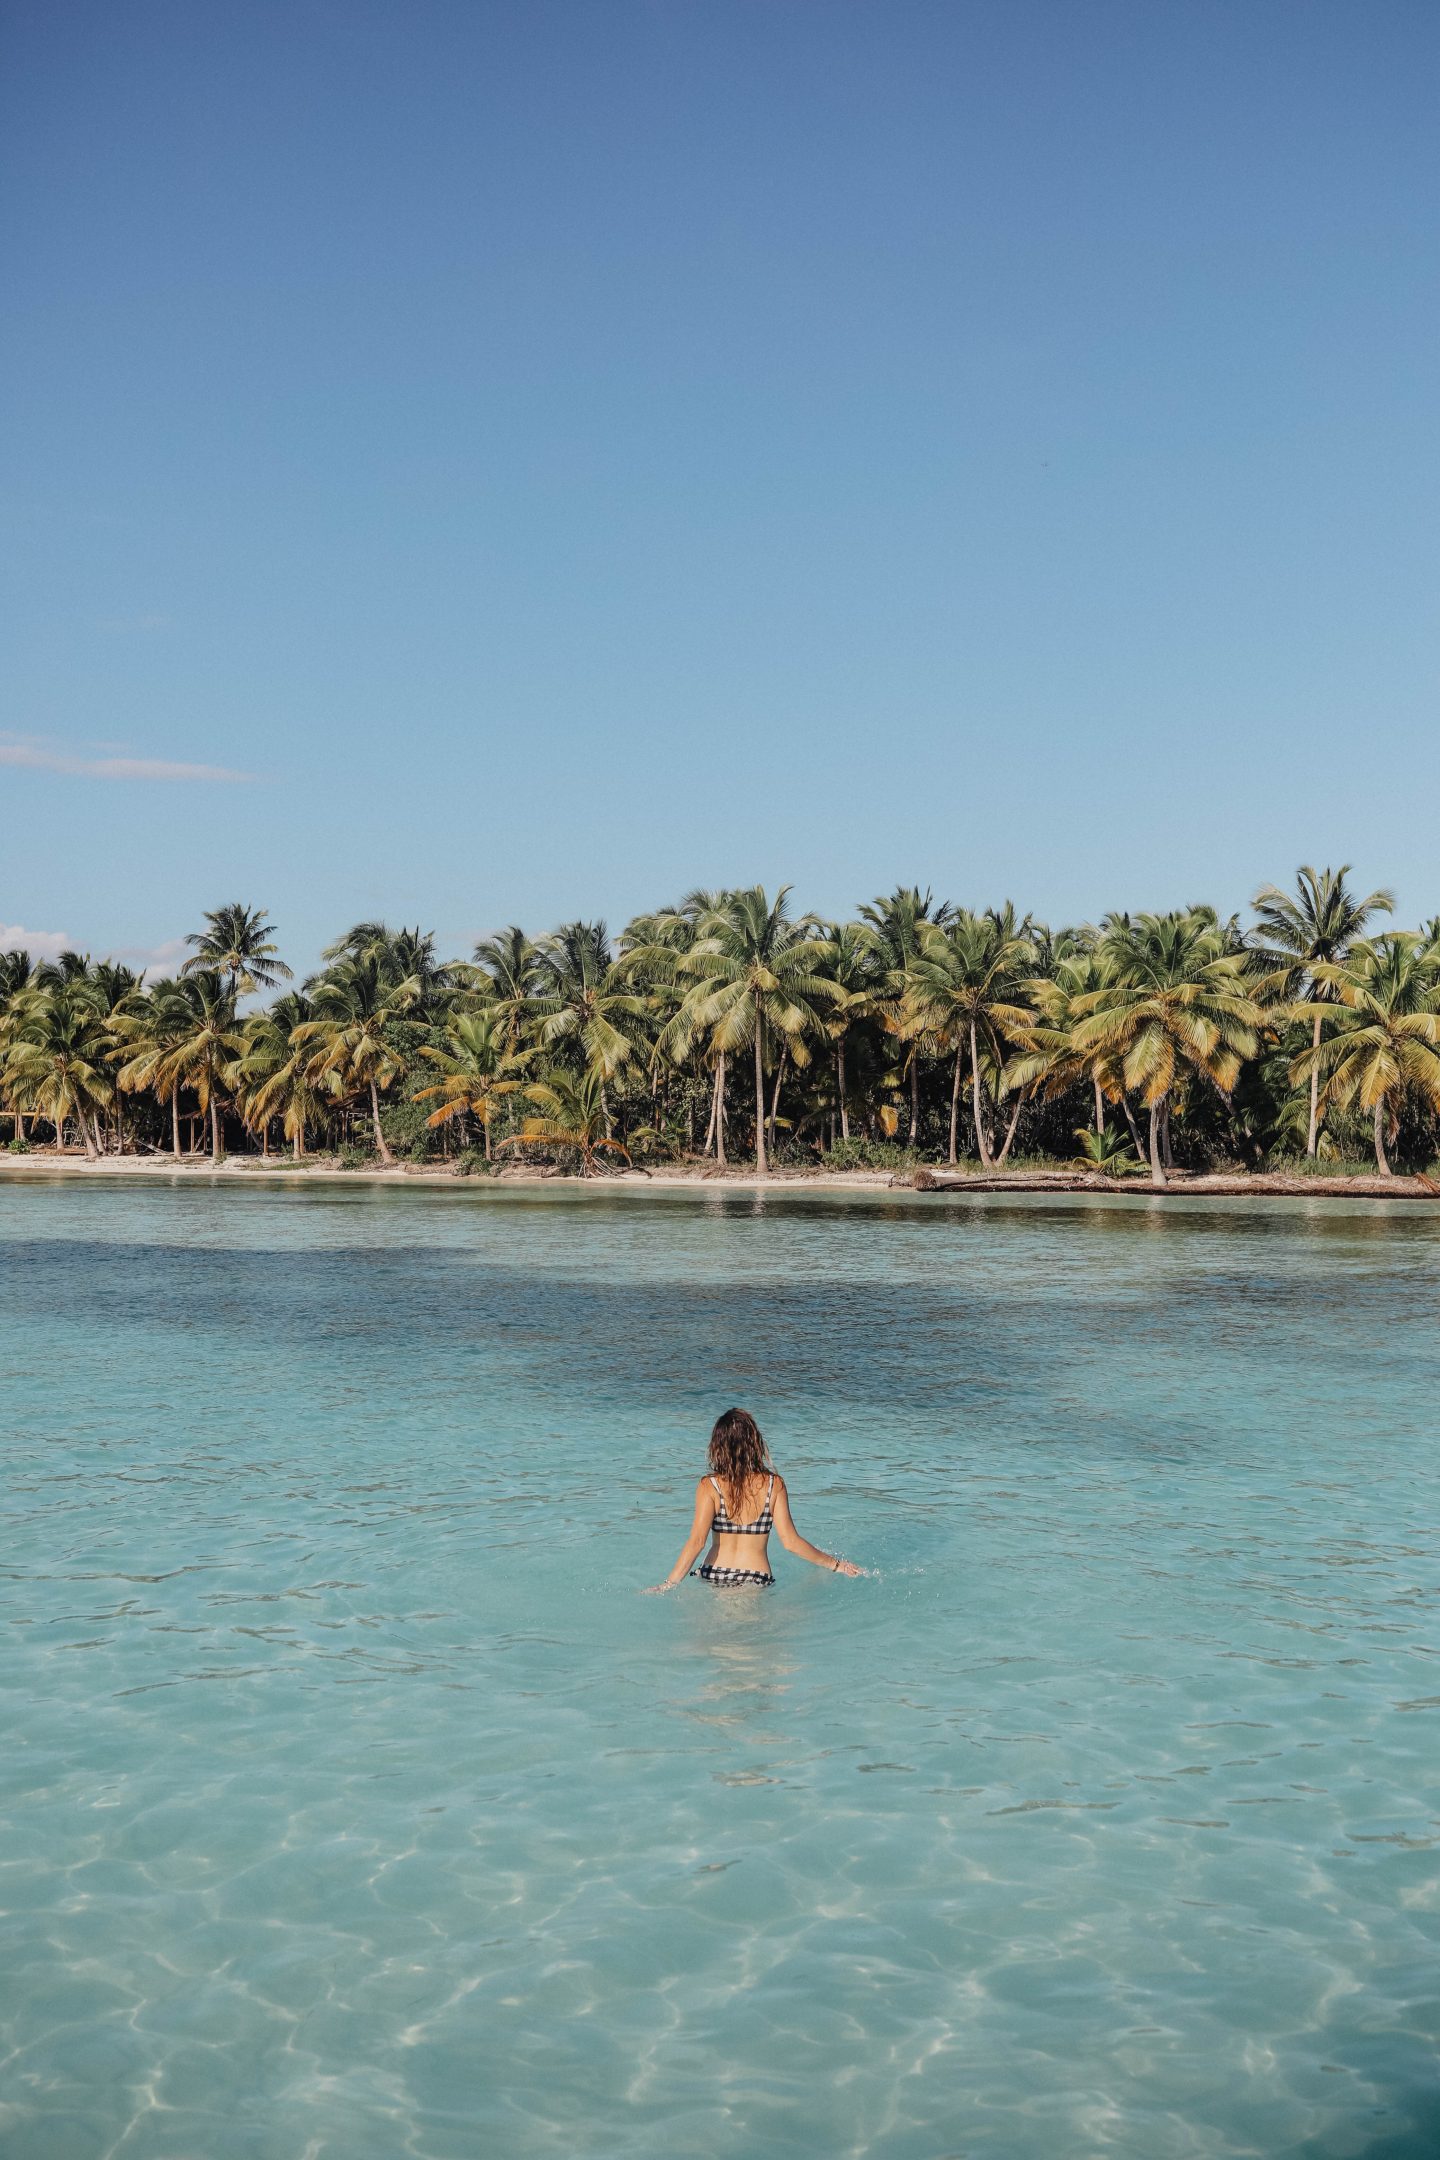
x=573, y=450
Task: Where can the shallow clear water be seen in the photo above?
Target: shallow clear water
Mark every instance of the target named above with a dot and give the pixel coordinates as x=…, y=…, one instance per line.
x=356, y=1806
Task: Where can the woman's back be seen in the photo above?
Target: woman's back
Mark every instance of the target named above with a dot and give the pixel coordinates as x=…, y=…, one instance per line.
x=738, y=1502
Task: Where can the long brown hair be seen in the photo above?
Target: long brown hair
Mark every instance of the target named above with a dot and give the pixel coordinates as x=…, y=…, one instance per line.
x=737, y=1455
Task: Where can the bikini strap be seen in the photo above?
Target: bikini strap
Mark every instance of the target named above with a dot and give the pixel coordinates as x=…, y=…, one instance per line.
x=718, y=1494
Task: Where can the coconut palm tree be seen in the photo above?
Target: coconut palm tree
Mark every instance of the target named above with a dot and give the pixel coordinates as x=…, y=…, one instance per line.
x=892, y=926
x=506, y=977
x=572, y=1115
x=855, y=970
x=351, y=1040
x=1051, y=1060
x=583, y=1000
x=1296, y=932
x=145, y=1034
x=1178, y=999
x=471, y=1068
x=201, y=1052
x=654, y=950
x=114, y=990
x=17, y=991
x=964, y=989
x=58, y=1064
x=237, y=944
x=757, y=972
x=1382, y=1032
x=273, y=1076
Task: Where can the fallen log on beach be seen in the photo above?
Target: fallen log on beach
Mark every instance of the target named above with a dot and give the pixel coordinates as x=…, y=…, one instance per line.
x=1262, y=1186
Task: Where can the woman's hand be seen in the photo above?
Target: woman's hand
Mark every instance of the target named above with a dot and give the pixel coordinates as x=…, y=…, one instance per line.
x=847, y=1567
x=657, y=1589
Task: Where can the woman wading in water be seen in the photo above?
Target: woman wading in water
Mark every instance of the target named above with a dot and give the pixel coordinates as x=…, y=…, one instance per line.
x=737, y=1504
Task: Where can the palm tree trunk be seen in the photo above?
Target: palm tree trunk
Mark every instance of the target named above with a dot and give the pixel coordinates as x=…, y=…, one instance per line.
x=299, y=1140
x=1165, y=1135
x=1010, y=1132
x=99, y=1136
x=955, y=1105
x=385, y=1156
x=981, y=1142
x=19, y=1124
x=214, y=1126
x=59, y=1132
x=759, y=1096
x=775, y=1096
x=1312, y=1137
x=714, y=1111
x=1130, y=1121
x=1382, y=1160
x=175, y=1120
x=914, y=1099
x=485, y=1121
x=840, y=1077
x=720, y=1111
x=1099, y=1108
x=1157, y=1168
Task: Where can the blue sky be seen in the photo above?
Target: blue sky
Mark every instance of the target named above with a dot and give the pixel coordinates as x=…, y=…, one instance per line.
x=564, y=452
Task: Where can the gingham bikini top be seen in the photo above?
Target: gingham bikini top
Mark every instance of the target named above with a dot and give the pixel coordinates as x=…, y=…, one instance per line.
x=726, y=1525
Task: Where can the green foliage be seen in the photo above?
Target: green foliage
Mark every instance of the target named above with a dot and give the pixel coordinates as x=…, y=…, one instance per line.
x=18, y=1146
x=471, y=1162
x=1109, y=1152
x=860, y=1154
x=355, y=1158
x=406, y=1126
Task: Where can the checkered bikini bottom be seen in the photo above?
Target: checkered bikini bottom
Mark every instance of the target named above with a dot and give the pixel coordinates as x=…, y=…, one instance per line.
x=730, y=1578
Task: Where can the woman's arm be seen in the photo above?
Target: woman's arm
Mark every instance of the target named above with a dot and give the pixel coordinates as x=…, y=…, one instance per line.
x=694, y=1545
x=792, y=1541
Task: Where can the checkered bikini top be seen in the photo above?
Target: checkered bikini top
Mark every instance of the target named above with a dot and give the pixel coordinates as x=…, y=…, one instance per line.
x=763, y=1524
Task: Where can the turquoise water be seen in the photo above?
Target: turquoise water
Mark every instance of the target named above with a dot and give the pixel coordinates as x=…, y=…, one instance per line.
x=355, y=1805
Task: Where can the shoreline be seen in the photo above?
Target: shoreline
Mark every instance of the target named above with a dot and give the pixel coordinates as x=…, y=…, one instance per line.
x=930, y=1181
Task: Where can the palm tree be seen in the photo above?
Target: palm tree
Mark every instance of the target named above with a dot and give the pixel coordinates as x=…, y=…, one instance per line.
x=58, y=1064
x=508, y=967
x=892, y=927
x=583, y=999
x=963, y=989
x=201, y=1051
x=145, y=1034
x=1383, y=1031
x=572, y=1115
x=351, y=1039
x=470, y=1066
x=654, y=950
x=114, y=990
x=273, y=1077
x=1296, y=932
x=1052, y=1060
x=852, y=967
x=237, y=943
x=17, y=992
x=1178, y=1000
x=757, y=970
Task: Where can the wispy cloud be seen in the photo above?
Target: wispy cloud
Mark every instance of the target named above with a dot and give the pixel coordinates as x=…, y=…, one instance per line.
x=39, y=756
x=40, y=944
x=152, y=959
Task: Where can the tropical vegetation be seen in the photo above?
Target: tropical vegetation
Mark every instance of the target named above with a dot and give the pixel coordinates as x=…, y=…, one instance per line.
x=733, y=1027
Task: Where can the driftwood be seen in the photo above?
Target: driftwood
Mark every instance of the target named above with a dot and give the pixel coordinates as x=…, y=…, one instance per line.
x=1263, y=1186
